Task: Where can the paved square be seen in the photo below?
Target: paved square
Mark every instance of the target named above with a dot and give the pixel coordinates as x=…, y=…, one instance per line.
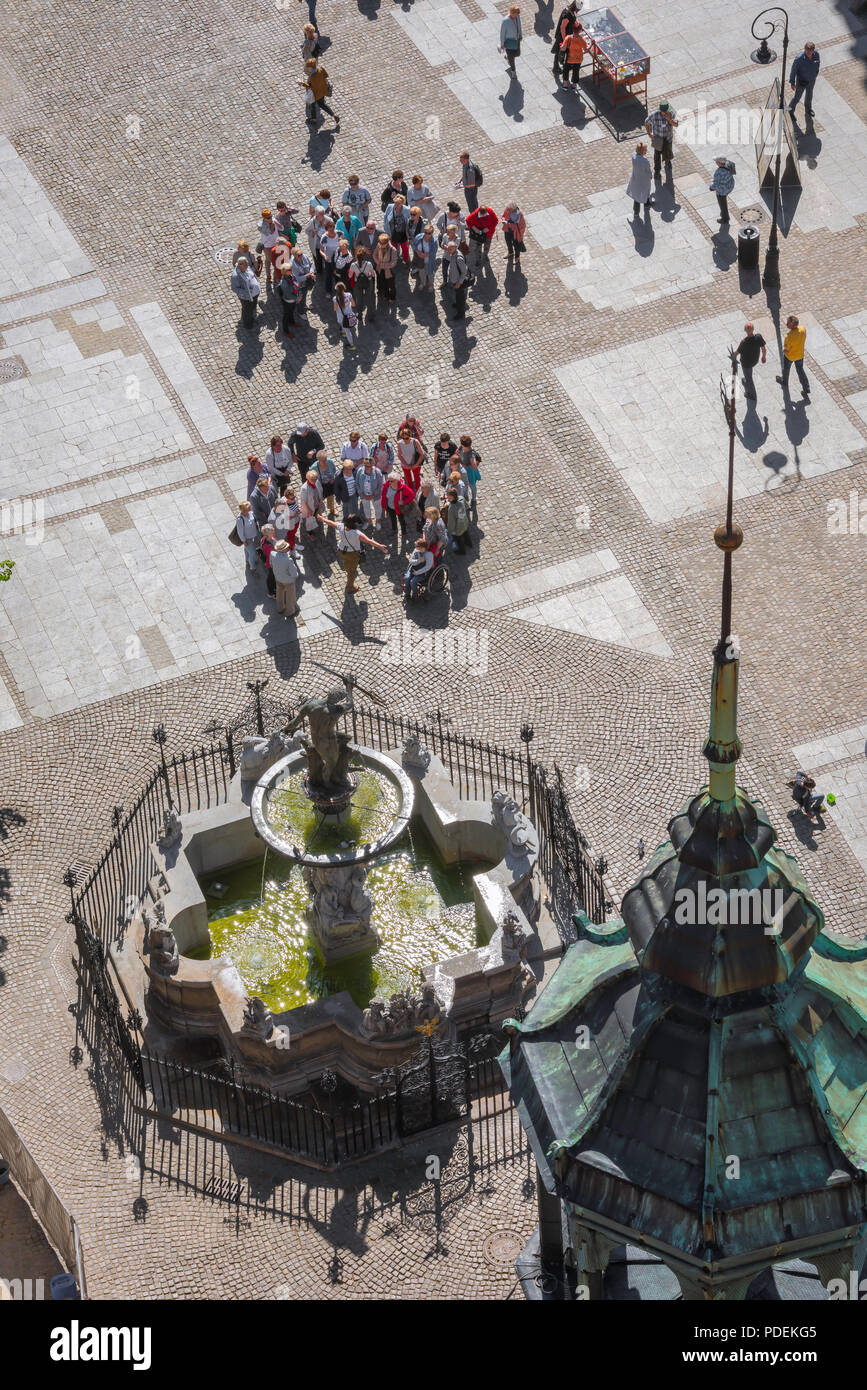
x=629, y=396
x=839, y=763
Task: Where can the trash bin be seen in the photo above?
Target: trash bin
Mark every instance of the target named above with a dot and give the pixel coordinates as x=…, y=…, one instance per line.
x=748, y=247
x=63, y=1286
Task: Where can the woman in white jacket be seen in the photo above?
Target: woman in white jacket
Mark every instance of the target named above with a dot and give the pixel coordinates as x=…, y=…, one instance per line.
x=639, y=185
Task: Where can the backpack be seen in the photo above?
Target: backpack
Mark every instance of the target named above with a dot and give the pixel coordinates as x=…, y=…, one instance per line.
x=480, y=178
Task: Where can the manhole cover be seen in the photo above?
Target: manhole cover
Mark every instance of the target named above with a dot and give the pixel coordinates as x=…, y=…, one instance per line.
x=12, y=369
x=223, y=255
x=753, y=215
x=502, y=1248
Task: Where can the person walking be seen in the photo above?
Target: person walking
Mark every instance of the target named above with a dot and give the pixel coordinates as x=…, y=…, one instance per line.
x=751, y=346
x=457, y=521
x=563, y=27
x=511, y=34
x=316, y=81
x=396, y=224
x=246, y=287
x=345, y=489
x=793, y=352
x=309, y=43
x=396, y=500
x=660, y=126
x=639, y=185
x=350, y=539
x=369, y=482
x=262, y=500
x=470, y=181
x=304, y=445
x=722, y=184
x=514, y=229
x=482, y=226
x=248, y=533
x=574, y=47
x=278, y=462
x=363, y=276
x=384, y=261
x=357, y=197
x=426, y=250
x=802, y=78
x=311, y=10
x=456, y=276
x=285, y=573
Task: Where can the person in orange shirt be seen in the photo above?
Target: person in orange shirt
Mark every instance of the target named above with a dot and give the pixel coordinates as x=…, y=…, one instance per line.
x=793, y=352
x=574, y=46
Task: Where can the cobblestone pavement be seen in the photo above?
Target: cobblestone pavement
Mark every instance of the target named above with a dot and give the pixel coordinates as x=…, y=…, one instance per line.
x=129, y=400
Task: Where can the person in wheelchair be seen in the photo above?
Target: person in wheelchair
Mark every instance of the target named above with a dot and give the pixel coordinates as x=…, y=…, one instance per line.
x=421, y=563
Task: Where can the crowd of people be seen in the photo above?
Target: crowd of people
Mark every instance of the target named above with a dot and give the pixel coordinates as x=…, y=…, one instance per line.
x=422, y=498
x=338, y=244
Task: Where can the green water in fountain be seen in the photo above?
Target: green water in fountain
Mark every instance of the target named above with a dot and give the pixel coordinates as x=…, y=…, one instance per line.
x=422, y=912
x=372, y=810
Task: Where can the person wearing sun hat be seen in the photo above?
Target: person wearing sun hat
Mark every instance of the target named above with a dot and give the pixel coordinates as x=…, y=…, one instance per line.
x=285, y=573
x=660, y=126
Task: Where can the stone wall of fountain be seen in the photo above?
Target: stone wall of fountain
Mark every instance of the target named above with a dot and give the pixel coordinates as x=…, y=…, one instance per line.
x=206, y=999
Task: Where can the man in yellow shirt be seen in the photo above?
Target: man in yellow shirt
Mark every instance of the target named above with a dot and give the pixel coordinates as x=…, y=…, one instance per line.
x=793, y=352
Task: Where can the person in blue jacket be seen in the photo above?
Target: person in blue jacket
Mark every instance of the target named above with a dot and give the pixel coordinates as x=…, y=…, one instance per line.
x=802, y=78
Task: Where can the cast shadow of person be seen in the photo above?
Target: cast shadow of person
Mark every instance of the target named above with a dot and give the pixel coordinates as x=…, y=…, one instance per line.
x=515, y=282
x=665, y=200
x=250, y=349
x=513, y=101
x=725, y=251
x=753, y=430
x=808, y=143
x=643, y=234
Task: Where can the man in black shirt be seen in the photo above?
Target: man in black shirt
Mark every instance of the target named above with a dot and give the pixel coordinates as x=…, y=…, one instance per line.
x=748, y=350
x=304, y=445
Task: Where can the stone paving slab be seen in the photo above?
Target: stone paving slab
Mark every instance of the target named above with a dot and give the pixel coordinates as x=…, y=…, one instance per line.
x=49, y=301
x=200, y=405
x=627, y=396
x=23, y=207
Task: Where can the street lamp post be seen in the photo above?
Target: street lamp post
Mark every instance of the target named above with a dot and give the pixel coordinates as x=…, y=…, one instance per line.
x=771, y=276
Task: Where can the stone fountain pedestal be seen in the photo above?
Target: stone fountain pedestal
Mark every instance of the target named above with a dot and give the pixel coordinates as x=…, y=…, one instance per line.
x=339, y=914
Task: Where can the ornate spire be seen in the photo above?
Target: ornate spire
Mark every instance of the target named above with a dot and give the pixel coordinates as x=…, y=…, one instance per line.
x=723, y=747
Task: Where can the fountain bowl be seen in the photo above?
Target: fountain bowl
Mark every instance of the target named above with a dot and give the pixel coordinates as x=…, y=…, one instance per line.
x=294, y=762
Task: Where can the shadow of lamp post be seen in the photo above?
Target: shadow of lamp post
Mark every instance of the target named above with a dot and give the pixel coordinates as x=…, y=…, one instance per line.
x=763, y=54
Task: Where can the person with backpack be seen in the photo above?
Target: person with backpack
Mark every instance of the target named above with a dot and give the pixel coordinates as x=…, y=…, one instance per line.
x=457, y=521
x=470, y=181
x=514, y=228
x=511, y=34
x=722, y=184
x=563, y=27
x=318, y=85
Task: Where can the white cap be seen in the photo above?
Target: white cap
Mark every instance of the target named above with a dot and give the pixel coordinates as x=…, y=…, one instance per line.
x=301, y=428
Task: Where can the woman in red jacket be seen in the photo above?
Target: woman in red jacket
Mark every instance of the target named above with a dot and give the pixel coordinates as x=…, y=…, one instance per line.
x=397, y=500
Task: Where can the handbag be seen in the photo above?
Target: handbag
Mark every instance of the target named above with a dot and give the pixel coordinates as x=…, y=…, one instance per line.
x=512, y=45
x=234, y=537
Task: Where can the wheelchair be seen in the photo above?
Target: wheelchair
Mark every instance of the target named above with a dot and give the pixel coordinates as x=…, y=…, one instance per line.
x=434, y=583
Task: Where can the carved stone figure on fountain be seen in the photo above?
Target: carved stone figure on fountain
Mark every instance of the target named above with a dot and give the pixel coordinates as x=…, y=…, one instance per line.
x=163, y=949
x=328, y=749
x=258, y=754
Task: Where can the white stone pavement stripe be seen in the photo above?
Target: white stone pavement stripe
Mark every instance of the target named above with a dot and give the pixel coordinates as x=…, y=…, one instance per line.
x=23, y=207
x=178, y=367
x=608, y=611
x=618, y=394
x=535, y=583
x=48, y=301
x=77, y=499
x=9, y=716
x=832, y=748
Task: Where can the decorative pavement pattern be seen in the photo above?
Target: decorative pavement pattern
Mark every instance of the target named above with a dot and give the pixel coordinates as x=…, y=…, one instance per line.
x=129, y=401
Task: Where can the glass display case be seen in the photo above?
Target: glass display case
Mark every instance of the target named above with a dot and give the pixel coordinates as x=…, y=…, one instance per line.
x=617, y=56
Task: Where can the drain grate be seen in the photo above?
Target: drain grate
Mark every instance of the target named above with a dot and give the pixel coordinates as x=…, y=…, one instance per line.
x=752, y=215
x=502, y=1247
x=12, y=369
x=223, y=255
